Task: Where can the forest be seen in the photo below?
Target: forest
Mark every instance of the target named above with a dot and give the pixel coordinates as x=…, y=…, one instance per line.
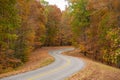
x=92, y=26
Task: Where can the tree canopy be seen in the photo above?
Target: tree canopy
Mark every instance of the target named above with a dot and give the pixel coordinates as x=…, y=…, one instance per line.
x=93, y=26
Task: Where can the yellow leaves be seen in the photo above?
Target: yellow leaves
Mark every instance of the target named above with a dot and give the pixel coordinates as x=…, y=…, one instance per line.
x=42, y=28
x=104, y=51
x=113, y=56
x=82, y=48
x=30, y=37
x=101, y=36
x=24, y=9
x=113, y=35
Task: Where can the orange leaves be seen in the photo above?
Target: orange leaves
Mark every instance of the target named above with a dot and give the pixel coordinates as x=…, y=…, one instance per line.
x=116, y=5
x=101, y=35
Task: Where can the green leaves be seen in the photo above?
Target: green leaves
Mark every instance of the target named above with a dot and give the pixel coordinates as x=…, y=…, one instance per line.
x=52, y=25
x=80, y=18
x=8, y=24
x=96, y=28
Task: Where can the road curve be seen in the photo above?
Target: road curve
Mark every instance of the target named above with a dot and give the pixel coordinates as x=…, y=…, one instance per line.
x=63, y=67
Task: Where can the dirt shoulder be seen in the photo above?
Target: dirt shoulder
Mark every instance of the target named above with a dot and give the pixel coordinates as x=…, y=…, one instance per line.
x=94, y=70
x=37, y=59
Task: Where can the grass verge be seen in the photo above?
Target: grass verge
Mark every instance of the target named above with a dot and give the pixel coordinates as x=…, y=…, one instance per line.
x=37, y=59
x=93, y=70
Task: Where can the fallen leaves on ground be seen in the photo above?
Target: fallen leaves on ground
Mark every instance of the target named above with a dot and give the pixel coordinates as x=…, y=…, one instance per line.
x=94, y=70
x=37, y=59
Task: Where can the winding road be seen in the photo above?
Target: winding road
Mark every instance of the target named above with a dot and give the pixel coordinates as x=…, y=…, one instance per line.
x=63, y=67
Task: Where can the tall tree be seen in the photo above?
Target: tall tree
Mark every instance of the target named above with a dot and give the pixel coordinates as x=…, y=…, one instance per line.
x=65, y=31
x=53, y=23
x=97, y=32
x=9, y=21
x=80, y=21
x=25, y=32
x=38, y=21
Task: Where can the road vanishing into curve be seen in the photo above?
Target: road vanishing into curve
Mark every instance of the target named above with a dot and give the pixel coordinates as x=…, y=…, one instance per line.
x=63, y=67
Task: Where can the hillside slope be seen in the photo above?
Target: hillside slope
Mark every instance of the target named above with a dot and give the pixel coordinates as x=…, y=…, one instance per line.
x=94, y=70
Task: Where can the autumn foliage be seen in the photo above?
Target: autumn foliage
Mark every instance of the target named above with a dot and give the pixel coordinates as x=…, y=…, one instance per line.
x=91, y=25
x=96, y=25
x=26, y=25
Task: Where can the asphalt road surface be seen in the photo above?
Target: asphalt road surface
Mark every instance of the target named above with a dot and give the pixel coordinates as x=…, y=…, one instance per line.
x=63, y=67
